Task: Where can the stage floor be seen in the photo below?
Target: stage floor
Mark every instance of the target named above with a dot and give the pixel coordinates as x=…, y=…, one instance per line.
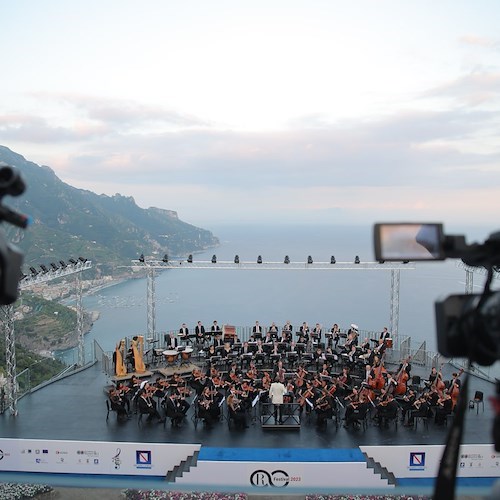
x=75, y=409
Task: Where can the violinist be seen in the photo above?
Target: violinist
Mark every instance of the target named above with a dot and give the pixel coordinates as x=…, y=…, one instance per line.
x=236, y=410
x=323, y=408
x=406, y=403
x=344, y=382
x=209, y=409
x=319, y=357
x=279, y=372
x=356, y=409
x=420, y=408
x=147, y=405
x=444, y=406
x=173, y=408
x=118, y=403
x=305, y=397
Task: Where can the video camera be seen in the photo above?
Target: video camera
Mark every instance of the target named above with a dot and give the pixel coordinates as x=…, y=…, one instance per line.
x=468, y=325
x=11, y=257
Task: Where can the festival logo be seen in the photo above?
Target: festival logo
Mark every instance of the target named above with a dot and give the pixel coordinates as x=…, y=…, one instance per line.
x=262, y=478
x=143, y=459
x=417, y=460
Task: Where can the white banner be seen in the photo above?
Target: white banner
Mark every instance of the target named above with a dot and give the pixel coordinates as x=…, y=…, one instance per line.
x=87, y=457
x=414, y=461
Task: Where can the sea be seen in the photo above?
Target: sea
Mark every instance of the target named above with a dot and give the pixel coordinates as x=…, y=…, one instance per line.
x=241, y=297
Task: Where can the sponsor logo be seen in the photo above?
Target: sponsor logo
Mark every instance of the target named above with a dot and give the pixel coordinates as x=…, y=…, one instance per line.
x=143, y=459
x=263, y=478
x=116, y=459
x=417, y=460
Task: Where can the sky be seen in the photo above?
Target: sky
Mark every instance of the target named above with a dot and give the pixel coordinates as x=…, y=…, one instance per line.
x=342, y=112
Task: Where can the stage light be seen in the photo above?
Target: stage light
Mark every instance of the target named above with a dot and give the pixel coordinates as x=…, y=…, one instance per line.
x=214, y=259
x=34, y=272
x=82, y=260
x=165, y=259
x=44, y=268
x=141, y=258
x=53, y=265
x=356, y=260
x=259, y=259
x=236, y=259
x=63, y=264
x=287, y=259
x=332, y=260
x=190, y=258
x=309, y=260
x=73, y=261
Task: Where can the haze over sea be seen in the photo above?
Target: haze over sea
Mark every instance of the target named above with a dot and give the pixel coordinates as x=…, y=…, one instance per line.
x=240, y=297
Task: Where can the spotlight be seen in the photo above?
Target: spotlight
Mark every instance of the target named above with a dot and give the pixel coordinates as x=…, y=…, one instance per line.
x=141, y=258
x=309, y=260
x=236, y=259
x=287, y=259
x=356, y=260
x=44, y=268
x=63, y=264
x=73, y=261
x=332, y=260
x=165, y=259
x=54, y=266
x=82, y=260
x=259, y=259
x=190, y=258
x=214, y=259
x=34, y=272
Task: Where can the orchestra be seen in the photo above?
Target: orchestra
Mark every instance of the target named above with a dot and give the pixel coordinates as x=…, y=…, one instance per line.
x=322, y=378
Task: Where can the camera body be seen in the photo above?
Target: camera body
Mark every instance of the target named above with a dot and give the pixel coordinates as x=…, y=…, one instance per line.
x=11, y=257
x=467, y=326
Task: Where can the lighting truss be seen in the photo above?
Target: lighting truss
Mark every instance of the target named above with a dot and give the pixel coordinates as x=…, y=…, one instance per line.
x=151, y=265
x=7, y=316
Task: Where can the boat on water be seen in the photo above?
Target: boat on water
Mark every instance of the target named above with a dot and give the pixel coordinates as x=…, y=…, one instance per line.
x=66, y=427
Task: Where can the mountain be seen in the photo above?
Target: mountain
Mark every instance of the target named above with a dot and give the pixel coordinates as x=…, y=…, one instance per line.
x=109, y=230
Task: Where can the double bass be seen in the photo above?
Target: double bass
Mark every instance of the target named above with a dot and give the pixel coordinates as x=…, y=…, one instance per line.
x=402, y=378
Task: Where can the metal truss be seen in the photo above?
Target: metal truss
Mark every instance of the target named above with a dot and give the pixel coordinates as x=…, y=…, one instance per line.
x=151, y=265
x=36, y=278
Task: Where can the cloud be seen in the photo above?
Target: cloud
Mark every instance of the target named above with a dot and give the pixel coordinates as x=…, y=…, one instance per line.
x=480, y=41
x=474, y=89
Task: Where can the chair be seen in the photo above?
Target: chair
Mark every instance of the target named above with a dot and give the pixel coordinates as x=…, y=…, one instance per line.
x=478, y=400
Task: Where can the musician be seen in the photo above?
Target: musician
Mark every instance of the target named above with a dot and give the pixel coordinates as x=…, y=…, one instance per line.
x=335, y=338
x=443, y=408
x=317, y=333
x=385, y=335
x=118, y=403
x=323, y=408
x=356, y=408
x=268, y=339
x=273, y=330
x=319, y=357
x=171, y=341
x=276, y=393
x=200, y=333
x=344, y=382
x=279, y=372
x=286, y=334
x=147, y=405
x=406, y=403
x=184, y=333
x=208, y=409
x=421, y=408
x=257, y=331
x=215, y=328
x=173, y=409
x=387, y=409
x=236, y=410
x=304, y=333
x=369, y=376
